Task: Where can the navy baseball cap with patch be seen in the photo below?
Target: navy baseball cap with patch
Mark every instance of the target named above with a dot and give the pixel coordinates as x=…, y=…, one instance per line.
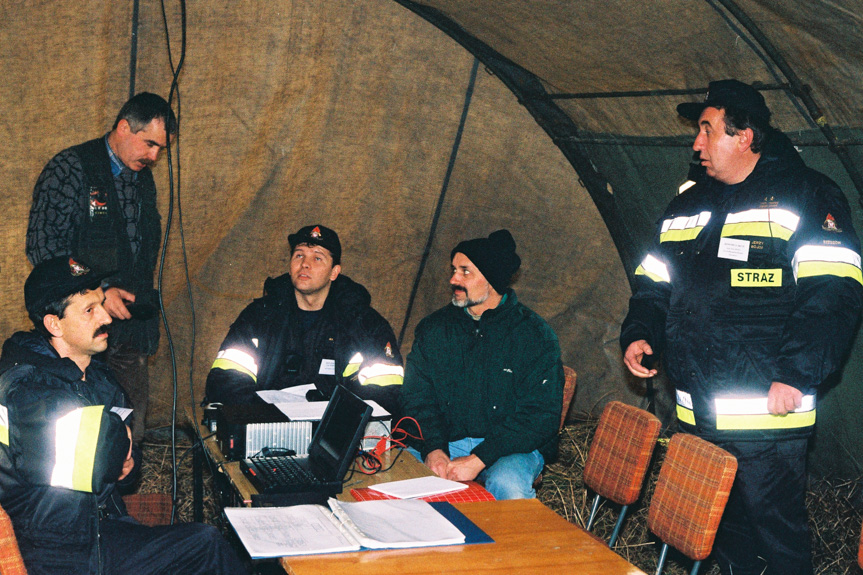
x=56, y=279
x=728, y=93
x=318, y=235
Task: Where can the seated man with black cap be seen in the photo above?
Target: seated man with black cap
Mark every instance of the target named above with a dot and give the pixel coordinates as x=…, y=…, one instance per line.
x=313, y=326
x=484, y=379
x=64, y=446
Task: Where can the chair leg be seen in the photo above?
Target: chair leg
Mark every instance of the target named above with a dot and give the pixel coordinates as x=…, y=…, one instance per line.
x=695, y=567
x=617, y=526
x=662, y=555
x=593, y=509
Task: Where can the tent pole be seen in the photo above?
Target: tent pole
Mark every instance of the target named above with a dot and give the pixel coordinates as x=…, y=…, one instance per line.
x=444, y=186
x=530, y=91
x=133, y=49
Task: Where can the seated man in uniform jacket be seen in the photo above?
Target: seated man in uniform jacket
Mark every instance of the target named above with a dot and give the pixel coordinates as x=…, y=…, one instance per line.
x=313, y=326
x=64, y=445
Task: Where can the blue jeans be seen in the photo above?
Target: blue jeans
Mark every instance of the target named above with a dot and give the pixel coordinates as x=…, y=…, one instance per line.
x=510, y=477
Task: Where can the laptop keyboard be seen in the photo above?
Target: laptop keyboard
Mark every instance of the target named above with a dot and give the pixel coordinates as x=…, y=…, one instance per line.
x=278, y=474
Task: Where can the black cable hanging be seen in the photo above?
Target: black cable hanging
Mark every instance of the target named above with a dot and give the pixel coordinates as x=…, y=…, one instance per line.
x=450, y=166
x=168, y=221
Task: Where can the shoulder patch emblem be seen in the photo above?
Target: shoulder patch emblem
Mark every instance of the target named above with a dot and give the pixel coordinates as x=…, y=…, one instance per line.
x=829, y=225
x=388, y=350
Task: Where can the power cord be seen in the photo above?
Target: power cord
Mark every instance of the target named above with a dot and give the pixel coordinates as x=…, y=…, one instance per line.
x=371, y=462
x=169, y=220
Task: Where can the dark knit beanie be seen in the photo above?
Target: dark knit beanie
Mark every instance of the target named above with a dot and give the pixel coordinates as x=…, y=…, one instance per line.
x=493, y=256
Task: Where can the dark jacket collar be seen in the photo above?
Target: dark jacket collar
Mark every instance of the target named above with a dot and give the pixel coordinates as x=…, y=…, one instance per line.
x=345, y=294
x=31, y=348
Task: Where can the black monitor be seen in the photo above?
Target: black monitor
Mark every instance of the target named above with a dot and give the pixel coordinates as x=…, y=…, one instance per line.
x=338, y=435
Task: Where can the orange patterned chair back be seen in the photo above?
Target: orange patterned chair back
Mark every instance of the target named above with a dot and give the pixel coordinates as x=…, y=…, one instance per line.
x=11, y=562
x=568, y=392
x=693, y=487
x=620, y=452
x=148, y=508
x=860, y=551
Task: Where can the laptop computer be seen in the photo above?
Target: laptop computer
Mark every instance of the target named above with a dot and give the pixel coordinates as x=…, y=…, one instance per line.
x=334, y=446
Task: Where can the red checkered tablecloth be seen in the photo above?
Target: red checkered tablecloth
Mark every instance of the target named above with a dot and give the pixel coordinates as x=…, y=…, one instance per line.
x=474, y=492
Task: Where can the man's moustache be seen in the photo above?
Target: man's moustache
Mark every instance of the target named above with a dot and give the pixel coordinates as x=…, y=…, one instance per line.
x=100, y=331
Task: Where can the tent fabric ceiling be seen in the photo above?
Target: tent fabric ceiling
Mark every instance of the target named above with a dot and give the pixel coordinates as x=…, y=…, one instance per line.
x=344, y=112
x=578, y=47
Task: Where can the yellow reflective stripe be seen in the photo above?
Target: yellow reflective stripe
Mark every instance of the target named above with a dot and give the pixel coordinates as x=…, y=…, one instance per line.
x=756, y=278
x=4, y=425
x=353, y=365
x=76, y=436
x=228, y=365
x=685, y=186
x=766, y=421
x=384, y=380
x=85, y=449
x=755, y=405
x=654, y=269
x=685, y=415
x=382, y=374
x=683, y=228
x=817, y=253
x=842, y=270
x=757, y=229
x=240, y=358
x=680, y=235
x=351, y=369
x=762, y=222
x=812, y=261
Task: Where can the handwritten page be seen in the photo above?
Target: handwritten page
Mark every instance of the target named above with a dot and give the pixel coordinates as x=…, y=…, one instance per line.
x=298, y=530
x=396, y=523
x=418, y=487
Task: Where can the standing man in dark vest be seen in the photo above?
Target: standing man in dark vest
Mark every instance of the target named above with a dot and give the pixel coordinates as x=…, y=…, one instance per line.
x=97, y=201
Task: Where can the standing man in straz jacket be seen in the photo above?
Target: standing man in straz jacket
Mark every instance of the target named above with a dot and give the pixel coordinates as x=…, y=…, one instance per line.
x=313, y=326
x=484, y=378
x=97, y=202
x=64, y=447
x=752, y=293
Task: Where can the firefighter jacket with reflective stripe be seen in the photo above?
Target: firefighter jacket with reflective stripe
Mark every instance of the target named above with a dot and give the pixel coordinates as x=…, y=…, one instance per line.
x=348, y=343
x=746, y=285
x=499, y=378
x=61, y=451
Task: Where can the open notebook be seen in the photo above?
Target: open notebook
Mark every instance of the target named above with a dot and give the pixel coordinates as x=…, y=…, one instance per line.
x=387, y=524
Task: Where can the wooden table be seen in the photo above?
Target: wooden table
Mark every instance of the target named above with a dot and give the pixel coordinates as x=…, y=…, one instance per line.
x=529, y=539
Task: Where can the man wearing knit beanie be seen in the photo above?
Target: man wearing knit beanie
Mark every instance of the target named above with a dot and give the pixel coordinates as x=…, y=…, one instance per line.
x=484, y=379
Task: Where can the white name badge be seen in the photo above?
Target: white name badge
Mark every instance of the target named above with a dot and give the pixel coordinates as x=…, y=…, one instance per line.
x=328, y=367
x=732, y=249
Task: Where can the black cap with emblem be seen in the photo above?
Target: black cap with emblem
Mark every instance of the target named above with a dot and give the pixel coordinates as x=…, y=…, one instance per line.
x=56, y=279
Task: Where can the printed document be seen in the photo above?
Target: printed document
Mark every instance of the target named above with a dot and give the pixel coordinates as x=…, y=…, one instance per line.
x=308, y=529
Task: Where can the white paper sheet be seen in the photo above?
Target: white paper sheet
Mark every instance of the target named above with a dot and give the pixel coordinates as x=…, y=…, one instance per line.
x=279, y=531
x=418, y=487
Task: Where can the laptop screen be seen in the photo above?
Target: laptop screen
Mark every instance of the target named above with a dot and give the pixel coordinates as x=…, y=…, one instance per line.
x=335, y=442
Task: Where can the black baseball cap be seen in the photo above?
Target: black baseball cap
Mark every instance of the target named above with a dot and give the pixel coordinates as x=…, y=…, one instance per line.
x=56, y=279
x=318, y=235
x=725, y=94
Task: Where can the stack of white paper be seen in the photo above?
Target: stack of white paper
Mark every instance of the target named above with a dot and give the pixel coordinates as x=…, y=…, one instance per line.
x=418, y=487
